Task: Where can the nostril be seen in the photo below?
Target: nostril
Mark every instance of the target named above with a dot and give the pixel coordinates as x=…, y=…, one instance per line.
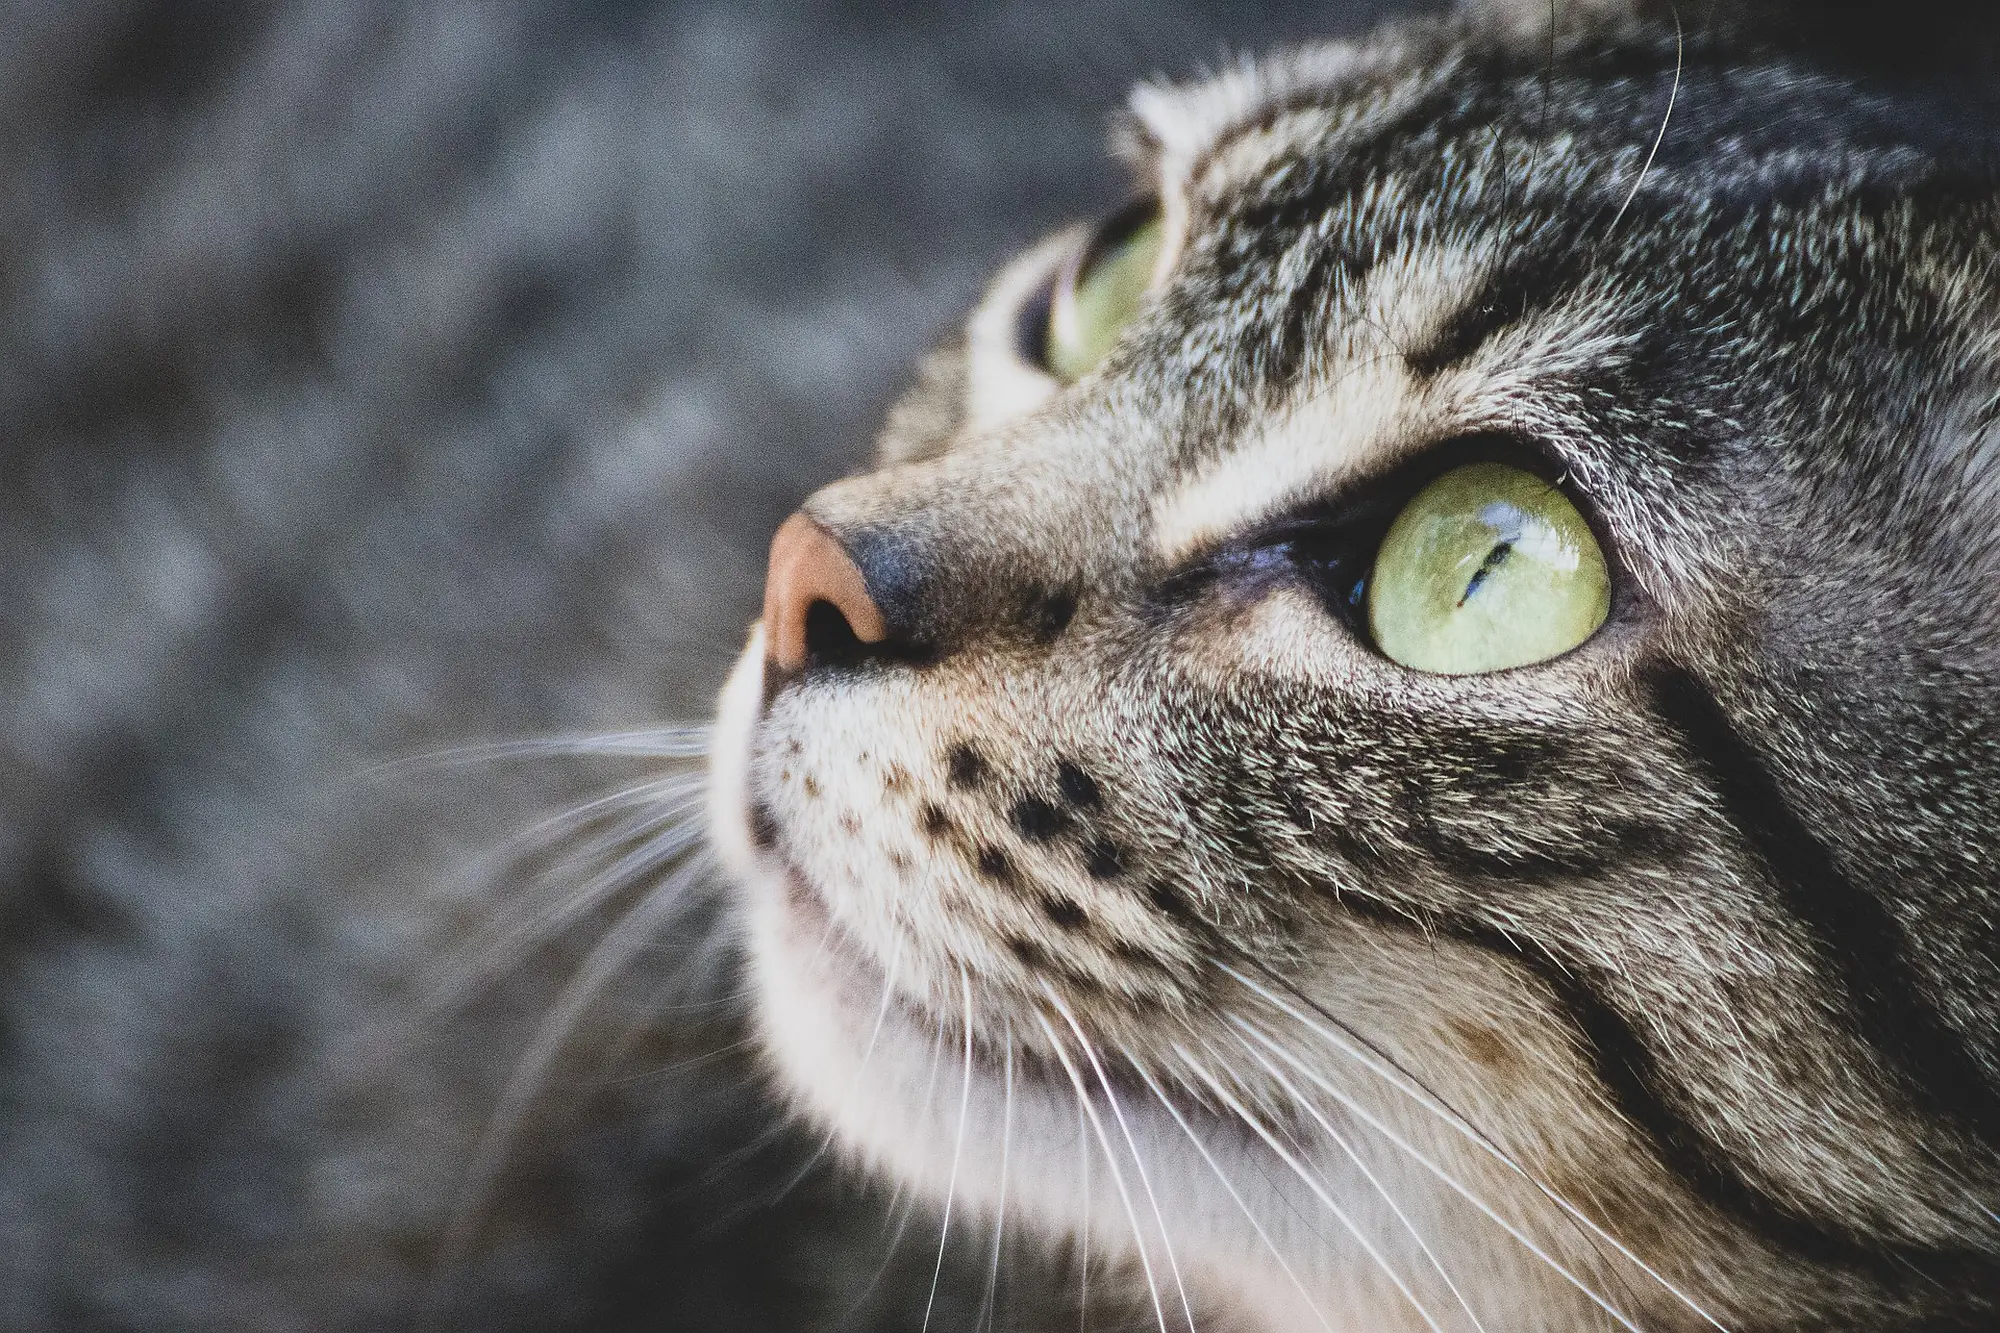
x=830, y=640
x=817, y=606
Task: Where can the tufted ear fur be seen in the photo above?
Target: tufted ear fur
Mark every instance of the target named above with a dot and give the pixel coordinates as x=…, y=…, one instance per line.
x=1918, y=37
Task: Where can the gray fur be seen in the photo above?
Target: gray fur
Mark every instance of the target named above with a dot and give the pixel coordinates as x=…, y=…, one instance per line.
x=1707, y=904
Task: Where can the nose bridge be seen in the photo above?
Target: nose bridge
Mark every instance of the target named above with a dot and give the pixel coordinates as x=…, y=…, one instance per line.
x=975, y=541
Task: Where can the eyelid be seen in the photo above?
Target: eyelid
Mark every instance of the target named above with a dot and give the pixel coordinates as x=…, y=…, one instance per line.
x=1001, y=383
x=1031, y=321
x=1368, y=504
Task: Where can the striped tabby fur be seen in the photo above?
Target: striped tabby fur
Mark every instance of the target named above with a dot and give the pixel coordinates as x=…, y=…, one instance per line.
x=1652, y=987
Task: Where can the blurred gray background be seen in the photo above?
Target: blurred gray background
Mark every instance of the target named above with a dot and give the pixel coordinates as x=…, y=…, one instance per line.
x=380, y=378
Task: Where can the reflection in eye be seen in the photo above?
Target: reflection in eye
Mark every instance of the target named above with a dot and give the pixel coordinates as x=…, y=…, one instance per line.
x=1097, y=297
x=1486, y=568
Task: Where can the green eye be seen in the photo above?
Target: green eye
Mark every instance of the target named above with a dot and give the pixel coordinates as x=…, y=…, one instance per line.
x=1098, y=297
x=1486, y=568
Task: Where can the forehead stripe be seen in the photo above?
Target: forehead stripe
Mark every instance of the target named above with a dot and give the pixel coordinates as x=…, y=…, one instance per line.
x=1525, y=283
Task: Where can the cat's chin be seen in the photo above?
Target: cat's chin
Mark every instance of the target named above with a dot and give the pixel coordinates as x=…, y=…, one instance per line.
x=990, y=1128
x=1004, y=1135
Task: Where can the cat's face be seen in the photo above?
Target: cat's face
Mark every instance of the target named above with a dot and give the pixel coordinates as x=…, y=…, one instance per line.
x=1592, y=938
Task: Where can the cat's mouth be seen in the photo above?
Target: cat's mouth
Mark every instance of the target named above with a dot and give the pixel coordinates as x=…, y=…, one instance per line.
x=867, y=993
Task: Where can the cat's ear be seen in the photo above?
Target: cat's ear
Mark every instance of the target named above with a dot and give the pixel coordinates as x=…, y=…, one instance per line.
x=1889, y=36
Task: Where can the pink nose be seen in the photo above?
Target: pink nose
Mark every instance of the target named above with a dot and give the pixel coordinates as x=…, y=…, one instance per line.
x=808, y=568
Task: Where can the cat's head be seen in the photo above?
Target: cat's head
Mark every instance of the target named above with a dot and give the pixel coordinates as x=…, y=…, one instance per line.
x=1424, y=695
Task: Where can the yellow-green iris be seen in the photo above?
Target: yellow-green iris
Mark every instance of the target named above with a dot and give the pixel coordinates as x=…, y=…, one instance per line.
x=1093, y=306
x=1486, y=568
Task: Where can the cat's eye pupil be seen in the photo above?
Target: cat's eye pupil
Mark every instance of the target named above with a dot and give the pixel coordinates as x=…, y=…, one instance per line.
x=1101, y=291
x=1494, y=557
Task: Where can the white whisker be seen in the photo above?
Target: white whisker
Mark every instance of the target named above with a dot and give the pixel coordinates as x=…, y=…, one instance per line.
x=987, y=1302
x=937, y=1063
x=1083, y=1261
x=1111, y=1161
x=1124, y=1129
x=1374, y=1122
x=1672, y=95
x=1230, y=1187
x=672, y=789
x=1347, y=1148
x=632, y=932
x=1312, y=1183
x=1424, y=1098
x=665, y=742
x=677, y=792
x=895, y=1197
x=902, y=1225
x=958, y=1147
x=511, y=943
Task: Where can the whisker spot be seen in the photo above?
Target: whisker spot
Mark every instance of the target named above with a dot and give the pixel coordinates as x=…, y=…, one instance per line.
x=993, y=864
x=964, y=765
x=1037, y=819
x=1103, y=859
x=1077, y=787
x=1065, y=913
x=1167, y=899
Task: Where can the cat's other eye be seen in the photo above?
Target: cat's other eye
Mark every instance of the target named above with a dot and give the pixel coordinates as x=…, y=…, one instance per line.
x=1485, y=568
x=1100, y=291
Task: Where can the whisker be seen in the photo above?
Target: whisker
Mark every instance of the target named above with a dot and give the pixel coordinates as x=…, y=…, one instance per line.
x=720, y=1167
x=1258, y=1128
x=1138, y=1163
x=513, y=942
x=1660, y=138
x=909, y=1212
x=679, y=741
x=937, y=1062
x=1110, y=1160
x=1230, y=1187
x=1454, y=1184
x=895, y=1198
x=606, y=959
x=678, y=791
x=672, y=789
x=1083, y=1261
x=1423, y=1097
x=682, y=1065
x=729, y=1000
x=1347, y=1148
x=958, y=1147
x=987, y=1303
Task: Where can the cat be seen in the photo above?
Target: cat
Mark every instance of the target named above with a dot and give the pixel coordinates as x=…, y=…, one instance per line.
x=1402, y=734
